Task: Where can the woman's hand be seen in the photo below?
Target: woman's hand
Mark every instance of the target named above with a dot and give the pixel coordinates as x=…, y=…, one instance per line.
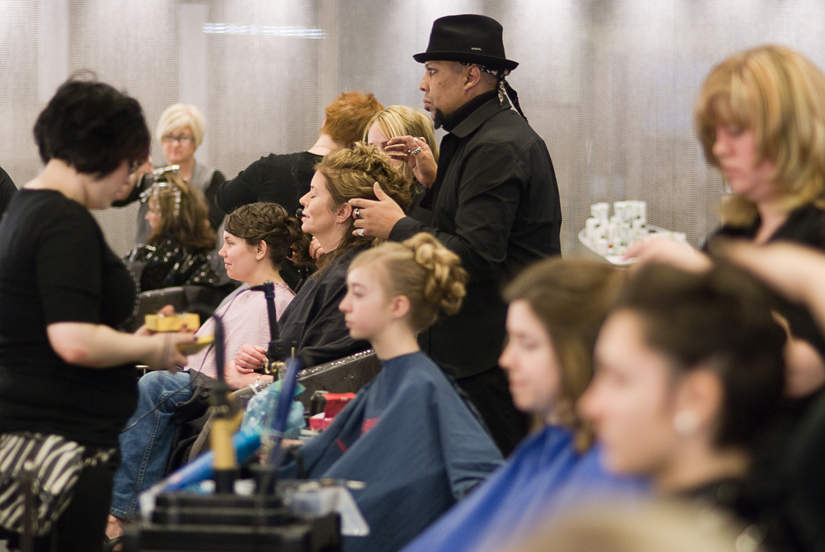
x=135, y=177
x=793, y=270
x=250, y=358
x=238, y=379
x=804, y=366
x=669, y=251
x=422, y=163
x=166, y=355
x=316, y=251
x=167, y=310
x=99, y=346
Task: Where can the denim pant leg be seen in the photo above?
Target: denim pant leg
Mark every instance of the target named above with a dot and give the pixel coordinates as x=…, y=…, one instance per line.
x=146, y=442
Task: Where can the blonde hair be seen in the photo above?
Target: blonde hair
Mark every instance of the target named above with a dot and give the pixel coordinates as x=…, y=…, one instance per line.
x=350, y=174
x=400, y=120
x=181, y=116
x=346, y=116
x=571, y=298
x=422, y=270
x=779, y=95
x=183, y=213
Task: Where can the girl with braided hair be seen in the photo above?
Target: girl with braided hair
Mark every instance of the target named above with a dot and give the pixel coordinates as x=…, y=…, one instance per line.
x=257, y=238
x=408, y=434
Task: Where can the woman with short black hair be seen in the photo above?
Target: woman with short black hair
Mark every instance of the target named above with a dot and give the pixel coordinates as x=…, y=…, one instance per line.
x=65, y=370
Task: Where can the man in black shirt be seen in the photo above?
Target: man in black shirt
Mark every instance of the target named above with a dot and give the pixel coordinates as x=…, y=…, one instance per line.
x=494, y=201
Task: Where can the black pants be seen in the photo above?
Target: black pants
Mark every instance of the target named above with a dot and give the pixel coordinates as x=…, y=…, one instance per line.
x=490, y=393
x=82, y=526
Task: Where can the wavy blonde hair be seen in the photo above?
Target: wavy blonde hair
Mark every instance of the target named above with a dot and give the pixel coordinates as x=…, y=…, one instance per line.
x=400, y=120
x=422, y=270
x=779, y=95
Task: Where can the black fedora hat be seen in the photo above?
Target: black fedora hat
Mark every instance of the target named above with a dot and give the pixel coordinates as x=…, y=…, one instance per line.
x=471, y=38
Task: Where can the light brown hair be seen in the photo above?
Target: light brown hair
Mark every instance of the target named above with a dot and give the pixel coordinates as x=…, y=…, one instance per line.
x=572, y=298
x=350, y=174
x=183, y=214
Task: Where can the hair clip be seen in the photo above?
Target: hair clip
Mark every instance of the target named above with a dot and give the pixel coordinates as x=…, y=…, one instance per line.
x=165, y=185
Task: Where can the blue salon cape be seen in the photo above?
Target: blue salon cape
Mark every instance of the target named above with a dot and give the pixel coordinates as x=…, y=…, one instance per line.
x=411, y=438
x=543, y=476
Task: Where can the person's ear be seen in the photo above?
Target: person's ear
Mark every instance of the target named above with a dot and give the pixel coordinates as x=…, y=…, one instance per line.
x=699, y=403
x=400, y=306
x=260, y=250
x=343, y=213
x=472, y=77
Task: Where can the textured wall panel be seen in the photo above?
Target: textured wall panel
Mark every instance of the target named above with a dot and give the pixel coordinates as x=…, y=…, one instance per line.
x=608, y=84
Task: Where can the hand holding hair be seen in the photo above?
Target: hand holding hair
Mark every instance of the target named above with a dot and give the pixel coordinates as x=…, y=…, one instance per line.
x=376, y=218
x=422, y=163
x=795, y=271
x=668, y=251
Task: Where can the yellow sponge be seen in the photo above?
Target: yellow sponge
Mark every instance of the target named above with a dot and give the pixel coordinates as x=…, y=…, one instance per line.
x=173, y=322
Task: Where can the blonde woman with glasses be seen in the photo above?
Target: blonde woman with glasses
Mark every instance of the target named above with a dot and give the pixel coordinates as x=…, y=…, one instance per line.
x=180, y=132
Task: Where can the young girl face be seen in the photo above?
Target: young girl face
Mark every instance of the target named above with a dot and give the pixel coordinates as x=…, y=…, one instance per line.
x=239, y=257
x=366, y=306
x=632, y=400
x=531, y=362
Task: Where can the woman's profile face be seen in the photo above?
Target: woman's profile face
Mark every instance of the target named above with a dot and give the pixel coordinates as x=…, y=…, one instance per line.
x=531, y=362
x=317, y=218
x=631, y=400
x=178, y=145
x=735, y=150
x=239, y=258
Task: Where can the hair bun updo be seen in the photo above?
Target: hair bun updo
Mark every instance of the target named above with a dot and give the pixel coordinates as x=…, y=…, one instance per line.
x=424, y=271
x=445, y=281
x=270, y=223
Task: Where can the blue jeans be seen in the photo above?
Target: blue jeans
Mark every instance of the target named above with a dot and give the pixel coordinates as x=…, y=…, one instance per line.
x=145, y=447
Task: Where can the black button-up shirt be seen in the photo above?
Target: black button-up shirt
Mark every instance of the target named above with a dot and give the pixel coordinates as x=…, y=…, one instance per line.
x=495, y=202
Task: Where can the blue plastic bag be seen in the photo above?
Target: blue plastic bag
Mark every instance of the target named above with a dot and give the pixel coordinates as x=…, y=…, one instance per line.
x=260, y=412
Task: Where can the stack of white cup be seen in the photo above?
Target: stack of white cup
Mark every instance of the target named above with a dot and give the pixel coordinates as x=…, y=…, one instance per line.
x=613, y=235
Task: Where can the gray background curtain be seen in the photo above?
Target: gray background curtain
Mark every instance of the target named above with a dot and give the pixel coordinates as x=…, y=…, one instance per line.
x=608, y=84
